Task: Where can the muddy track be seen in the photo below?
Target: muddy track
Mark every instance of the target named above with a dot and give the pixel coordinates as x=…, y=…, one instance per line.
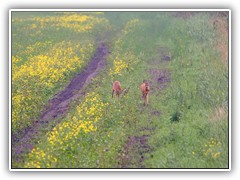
x=137, y=147
x=59, y=105
x=134, y=151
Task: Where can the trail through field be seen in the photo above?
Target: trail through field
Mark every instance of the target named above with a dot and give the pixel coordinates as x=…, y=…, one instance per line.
x=137, y=147
x=59, y=105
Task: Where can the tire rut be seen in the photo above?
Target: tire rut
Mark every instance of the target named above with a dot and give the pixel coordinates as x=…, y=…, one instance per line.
x=24, y=141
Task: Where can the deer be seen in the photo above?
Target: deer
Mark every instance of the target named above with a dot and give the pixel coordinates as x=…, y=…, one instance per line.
x=116, y=87
x=145, y=88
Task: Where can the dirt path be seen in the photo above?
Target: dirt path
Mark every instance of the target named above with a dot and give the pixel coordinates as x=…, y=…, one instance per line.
x=137, y=147
x=59, y=105
x=134, y=152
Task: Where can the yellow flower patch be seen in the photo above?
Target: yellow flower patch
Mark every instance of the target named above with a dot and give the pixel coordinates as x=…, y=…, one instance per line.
x=42, y=72
x=65, y=134
x=212, y=148
x=74, y=21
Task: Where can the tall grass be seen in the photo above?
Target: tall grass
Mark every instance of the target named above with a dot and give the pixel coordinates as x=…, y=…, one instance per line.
x=198, y=88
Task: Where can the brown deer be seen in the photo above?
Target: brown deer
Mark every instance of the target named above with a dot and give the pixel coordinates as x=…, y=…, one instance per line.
x=145, y=88
x=116, y=87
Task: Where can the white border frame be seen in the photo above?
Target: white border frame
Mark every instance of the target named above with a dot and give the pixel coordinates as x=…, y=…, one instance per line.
x=122, y=10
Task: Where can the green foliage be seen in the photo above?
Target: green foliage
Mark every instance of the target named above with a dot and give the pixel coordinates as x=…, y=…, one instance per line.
x=182, y=122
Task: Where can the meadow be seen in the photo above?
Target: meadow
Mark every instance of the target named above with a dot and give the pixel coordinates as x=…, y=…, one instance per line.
x=184, y=56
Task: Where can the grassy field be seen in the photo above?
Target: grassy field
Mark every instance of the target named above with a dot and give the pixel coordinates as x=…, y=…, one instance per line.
x=47, y=51
x=184, y=56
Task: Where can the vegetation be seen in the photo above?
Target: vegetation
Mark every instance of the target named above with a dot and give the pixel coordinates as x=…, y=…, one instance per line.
x=182, y=55
x=47, y=51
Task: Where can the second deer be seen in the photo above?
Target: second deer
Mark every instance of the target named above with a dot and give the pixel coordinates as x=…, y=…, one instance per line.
x=145, y=88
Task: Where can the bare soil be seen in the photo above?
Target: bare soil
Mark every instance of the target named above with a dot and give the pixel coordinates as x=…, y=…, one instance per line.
x=23, y=142
x=134, y=152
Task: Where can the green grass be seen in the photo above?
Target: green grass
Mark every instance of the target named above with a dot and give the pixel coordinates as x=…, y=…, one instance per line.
x=28, y=43
x=186, y=122
x=199, y=85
